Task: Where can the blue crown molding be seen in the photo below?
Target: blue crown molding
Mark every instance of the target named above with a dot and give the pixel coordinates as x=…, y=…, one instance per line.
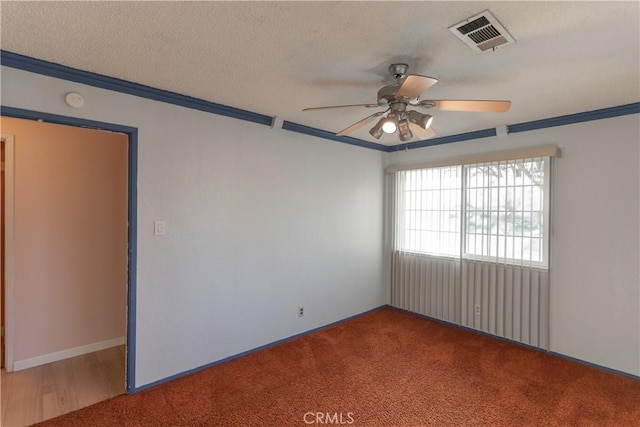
x=485, y=133
x=294, y=127
x=51, y=69
x=604, y=113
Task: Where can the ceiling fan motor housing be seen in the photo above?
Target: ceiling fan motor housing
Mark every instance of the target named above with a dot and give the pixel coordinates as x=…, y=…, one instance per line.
x=387, y=94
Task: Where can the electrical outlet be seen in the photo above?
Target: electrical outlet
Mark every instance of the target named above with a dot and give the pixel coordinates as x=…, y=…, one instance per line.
x=477, y=309
x=300, y=311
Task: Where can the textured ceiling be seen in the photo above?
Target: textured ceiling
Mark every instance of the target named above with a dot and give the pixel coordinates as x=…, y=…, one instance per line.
x=276, y=58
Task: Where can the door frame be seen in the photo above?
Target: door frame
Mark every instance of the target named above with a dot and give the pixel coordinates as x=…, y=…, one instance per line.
x=7, y=217
x=132, y=216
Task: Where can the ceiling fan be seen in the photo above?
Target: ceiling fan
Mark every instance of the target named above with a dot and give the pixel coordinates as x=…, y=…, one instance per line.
x=406, y=92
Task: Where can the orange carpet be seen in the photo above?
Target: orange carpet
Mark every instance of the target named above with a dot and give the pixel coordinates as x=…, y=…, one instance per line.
x=385, y=368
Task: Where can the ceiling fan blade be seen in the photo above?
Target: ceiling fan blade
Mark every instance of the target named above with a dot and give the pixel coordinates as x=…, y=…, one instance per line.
x=480, y=106
x=421, y=133
x=340, y=106
x=414, y=85
x=359, y=124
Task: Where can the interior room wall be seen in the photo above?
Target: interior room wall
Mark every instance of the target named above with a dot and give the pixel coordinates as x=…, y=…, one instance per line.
x=259, y=221
x=70, y=237
x=595, y=278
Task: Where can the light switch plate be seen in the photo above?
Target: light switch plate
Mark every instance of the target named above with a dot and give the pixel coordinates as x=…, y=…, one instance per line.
x=159, y=228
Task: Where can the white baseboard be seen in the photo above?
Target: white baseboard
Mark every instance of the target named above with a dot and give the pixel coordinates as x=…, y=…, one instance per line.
x=19, y=365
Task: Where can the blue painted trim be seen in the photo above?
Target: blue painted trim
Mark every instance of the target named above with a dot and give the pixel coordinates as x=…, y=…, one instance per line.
x=51, y=69
x=586, y=116
x=295, y=127
x=254, y=350
x=604, y=113
x=132, y=263
x=20, y=113
x=485, y=133
x=132, y=213
x=594, y=365
x=530, y=347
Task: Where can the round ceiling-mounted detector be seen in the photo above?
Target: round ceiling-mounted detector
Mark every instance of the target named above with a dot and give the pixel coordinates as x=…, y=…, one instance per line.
x=74, y=100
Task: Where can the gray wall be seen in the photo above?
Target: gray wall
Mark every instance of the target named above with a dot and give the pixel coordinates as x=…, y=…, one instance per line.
x=595, y=234
x=259, y=221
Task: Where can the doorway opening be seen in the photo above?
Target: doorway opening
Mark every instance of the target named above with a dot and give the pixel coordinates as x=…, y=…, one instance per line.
x=131, y=230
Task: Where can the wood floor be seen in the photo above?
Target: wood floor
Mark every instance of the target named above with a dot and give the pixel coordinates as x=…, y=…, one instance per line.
x=46, y=391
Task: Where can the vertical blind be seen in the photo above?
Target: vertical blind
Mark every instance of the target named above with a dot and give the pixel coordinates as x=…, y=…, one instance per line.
x=470, y=245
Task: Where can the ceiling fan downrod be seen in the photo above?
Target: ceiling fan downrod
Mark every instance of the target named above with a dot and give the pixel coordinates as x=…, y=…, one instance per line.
x=398, y=71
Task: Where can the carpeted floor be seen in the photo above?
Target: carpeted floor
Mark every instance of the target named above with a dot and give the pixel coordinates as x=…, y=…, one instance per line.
x=385, y=368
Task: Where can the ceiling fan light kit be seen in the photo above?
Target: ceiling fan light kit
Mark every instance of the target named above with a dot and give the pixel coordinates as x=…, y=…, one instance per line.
x=422, y=120
x=377, y=131
x=389, y=125
x=403, y=130
x=406, y=92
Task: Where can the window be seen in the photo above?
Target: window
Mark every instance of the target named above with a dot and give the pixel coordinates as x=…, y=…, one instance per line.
x=431, y=203
x=505, y=211
x=494, y=211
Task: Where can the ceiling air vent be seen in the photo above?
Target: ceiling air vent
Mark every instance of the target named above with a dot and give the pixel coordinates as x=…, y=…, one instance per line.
x=482, y=32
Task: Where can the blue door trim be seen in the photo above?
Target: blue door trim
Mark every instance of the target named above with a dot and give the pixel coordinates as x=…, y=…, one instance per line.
x=131, y=209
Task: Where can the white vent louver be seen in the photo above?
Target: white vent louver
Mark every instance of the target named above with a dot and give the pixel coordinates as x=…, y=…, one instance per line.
x=482, y=32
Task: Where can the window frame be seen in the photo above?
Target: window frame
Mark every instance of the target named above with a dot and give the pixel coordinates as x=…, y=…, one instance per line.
x=400, y=241
x=401, y=219
x=545, y=243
